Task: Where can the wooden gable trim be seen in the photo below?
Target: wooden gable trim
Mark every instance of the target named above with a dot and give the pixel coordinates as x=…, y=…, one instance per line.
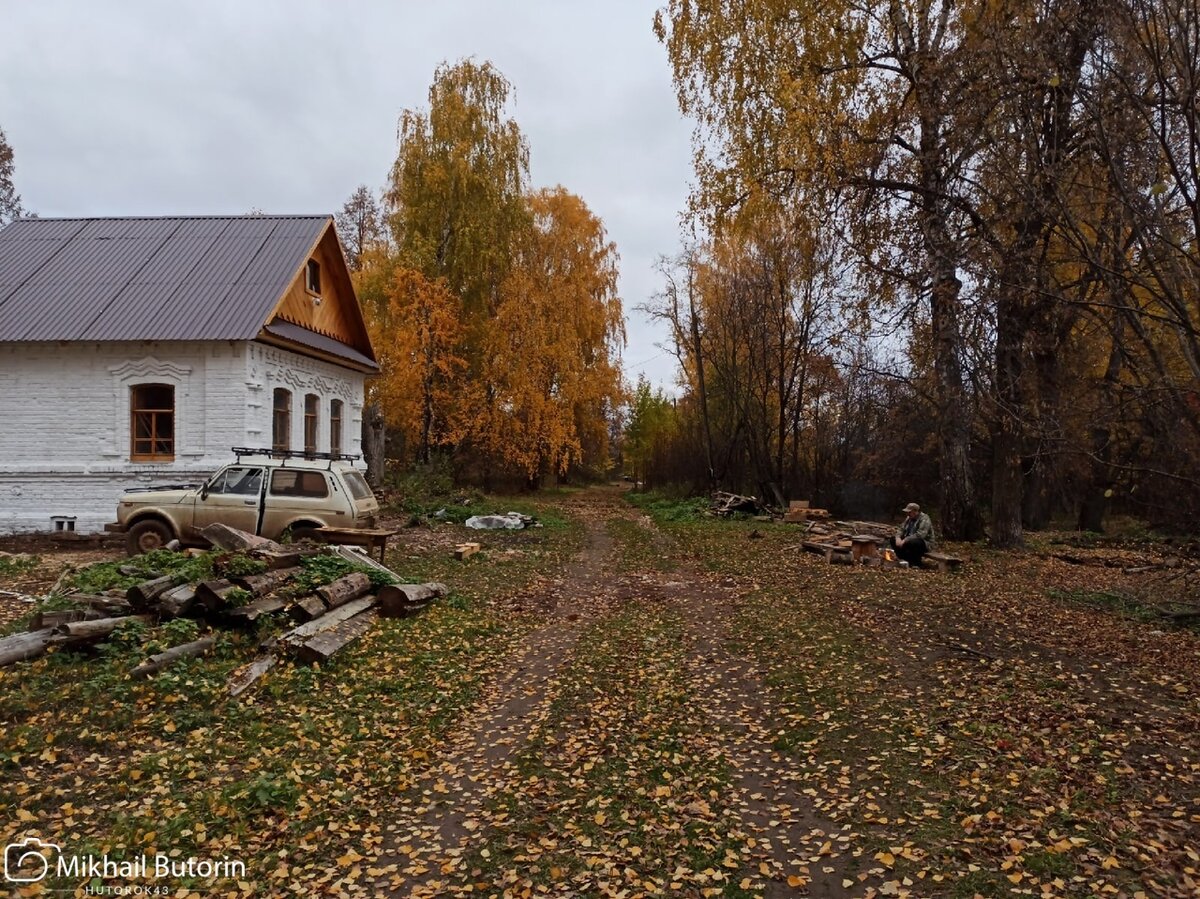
x=337, y=288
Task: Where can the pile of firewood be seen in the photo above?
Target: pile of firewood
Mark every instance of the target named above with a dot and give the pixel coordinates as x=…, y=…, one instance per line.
x=327, y=618
x=725, y=504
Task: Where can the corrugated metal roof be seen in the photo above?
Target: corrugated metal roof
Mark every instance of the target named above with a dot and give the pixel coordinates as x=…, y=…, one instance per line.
x=184, y=278
x=305, y=337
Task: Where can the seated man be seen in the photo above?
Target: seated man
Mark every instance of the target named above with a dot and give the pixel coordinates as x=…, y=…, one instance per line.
x=915, y=536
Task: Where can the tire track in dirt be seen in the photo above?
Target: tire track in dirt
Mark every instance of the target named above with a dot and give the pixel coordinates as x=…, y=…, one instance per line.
x=787, y=834
x=433, y=832
x=476, y=759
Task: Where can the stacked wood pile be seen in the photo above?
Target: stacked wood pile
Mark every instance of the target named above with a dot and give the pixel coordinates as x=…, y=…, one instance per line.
x=848, y=542
x=725, y=504
x=327, y=618
x=800, y=512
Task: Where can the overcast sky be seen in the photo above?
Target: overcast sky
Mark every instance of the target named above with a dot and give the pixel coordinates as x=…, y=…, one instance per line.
x=223, y=106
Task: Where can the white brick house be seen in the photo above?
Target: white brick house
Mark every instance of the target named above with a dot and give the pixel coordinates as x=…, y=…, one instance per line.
x=140, y=351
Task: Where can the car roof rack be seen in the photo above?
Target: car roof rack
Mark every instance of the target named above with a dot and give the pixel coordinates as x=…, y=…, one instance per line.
x=241, y=451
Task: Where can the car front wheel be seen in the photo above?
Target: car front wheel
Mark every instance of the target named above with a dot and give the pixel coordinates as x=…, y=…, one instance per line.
x=147, y=536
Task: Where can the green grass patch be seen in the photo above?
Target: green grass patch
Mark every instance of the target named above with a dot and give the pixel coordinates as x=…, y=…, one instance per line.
x=12, y=566
x=669, y=509
x=1122, y=604
x=126, y=573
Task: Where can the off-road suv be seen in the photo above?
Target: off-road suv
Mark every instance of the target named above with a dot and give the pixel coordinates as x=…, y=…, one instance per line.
x=265, y=492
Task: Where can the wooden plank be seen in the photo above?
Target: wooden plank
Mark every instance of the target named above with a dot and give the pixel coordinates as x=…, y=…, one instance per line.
x=239, y=683
x=330, y=619
x=353, y=554
x=465, y=550
x=326, y=643
x=943, y=562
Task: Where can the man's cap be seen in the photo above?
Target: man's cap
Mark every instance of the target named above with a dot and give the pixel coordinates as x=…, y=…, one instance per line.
x=912, y=507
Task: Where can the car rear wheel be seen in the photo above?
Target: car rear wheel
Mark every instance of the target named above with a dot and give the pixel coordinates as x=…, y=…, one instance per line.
x=303, y=530
x=147, y=536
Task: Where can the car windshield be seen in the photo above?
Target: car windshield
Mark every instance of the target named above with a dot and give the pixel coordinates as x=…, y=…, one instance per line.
x=237, y=479
x=356, y=484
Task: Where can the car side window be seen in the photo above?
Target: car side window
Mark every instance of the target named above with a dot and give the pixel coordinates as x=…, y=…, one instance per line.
x=237, y=480
x=298, y=482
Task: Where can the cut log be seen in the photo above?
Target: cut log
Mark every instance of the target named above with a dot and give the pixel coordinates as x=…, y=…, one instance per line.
x=400, y=600
x=261, y=584
x=252, y=611
x=243, y=680
x=29, y=645
x=143, y=595
x=55, y=617
x=309, y=608
x=211, y=594
x=161, y=660
x=465, y=550
x=177, y=602
x=863, y=547
x=326, y=643
x=85, y=631
x=345, y=589
x=303, y=632
x=113, y=605
x=276, y=559
x=136, y=571
x=225, y=537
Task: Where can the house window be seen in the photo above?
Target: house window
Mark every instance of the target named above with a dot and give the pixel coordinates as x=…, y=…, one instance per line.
x=313, y=276
x=152, y=423
x=335, y=426
x=312, y=405
x=281, y=421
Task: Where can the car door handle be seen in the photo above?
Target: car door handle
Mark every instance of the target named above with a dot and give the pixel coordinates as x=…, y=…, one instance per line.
x=250, y=502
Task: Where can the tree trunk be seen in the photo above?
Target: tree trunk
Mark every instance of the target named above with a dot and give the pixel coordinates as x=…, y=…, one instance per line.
x=1095, y=497
x=1007, y=436
x=960, y=515
x=699, y=357
x=373, y=445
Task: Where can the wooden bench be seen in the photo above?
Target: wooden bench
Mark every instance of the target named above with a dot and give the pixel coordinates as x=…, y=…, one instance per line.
x=370, y=538
x=942, y=561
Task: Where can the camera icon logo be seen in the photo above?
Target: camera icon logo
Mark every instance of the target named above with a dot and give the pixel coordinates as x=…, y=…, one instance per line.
x=26, y=861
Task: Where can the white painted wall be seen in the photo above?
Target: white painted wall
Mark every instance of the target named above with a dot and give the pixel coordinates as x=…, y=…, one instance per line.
x=64, y=419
